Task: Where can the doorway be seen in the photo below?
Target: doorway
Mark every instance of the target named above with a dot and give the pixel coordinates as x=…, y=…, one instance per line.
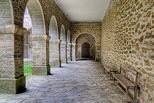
x=85, y=50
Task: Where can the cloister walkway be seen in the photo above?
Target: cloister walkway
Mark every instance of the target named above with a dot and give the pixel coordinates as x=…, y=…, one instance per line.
x=76, y=82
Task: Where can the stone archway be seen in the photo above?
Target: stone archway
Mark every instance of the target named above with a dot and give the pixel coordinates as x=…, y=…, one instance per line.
x=85, y=47
x=54, y=43
x=37, y=17
x=40, y=41
x=63, y=45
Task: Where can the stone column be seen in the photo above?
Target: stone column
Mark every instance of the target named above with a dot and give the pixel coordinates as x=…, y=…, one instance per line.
x=40, y=50
x=54, y=54
x=68, y=51
x=73, y=51
x=98, y=53
x=26, y=45
x=12, y=78
x=63, y=52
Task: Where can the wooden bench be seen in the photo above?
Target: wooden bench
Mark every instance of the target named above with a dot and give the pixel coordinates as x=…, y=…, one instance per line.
x=128, y=87
x=108, y=70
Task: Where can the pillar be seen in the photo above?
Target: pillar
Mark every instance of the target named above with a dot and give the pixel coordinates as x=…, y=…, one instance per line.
x=12, y=79
x=63, y=52
x=73, y=51
x=68, y=51
x=40, y=50
x=26, y=45
x=54, y=54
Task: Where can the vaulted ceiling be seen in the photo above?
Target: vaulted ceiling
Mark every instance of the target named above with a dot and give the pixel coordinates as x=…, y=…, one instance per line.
x=84, y=10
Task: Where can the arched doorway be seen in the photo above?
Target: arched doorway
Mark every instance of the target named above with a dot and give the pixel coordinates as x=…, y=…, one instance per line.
x=85, y=50
x=85, y=47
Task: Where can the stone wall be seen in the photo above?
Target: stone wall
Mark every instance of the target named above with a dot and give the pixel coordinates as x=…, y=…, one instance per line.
x=88, y=28
x=128, y=42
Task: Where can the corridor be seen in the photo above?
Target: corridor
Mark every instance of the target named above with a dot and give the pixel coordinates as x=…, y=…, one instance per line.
x=75, y=82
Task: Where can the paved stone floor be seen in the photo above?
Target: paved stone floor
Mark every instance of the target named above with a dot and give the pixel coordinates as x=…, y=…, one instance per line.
x=75, y=82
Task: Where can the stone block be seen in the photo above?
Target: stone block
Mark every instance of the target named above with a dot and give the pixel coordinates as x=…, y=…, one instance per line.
x=55, y=64
x=40, y=70
x=12, y=86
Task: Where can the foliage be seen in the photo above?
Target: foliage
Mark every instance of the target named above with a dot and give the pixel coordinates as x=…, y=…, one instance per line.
x=28, y=69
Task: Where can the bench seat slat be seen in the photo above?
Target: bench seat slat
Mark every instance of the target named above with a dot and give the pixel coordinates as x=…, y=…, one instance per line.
x=109, y=69
x=123, y=81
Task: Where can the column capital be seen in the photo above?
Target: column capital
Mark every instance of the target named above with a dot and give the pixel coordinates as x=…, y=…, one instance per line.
x=55, y=41
x=74, y=44
x=63, y=42
x=69, y=43
x=46, y=37
x=13, y=29
x=59, y=41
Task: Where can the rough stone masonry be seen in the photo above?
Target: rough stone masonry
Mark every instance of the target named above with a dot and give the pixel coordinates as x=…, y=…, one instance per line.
x=124, y=39
x=128, y=40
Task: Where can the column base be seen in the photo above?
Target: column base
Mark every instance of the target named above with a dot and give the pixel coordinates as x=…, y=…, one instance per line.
x=12, y=86
x=64, y=61
x=41, y=70
x=55, y=64
x=73, y=59
x=69, y=59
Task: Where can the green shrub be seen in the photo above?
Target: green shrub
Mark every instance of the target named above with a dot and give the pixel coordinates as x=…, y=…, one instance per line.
x=28, y=69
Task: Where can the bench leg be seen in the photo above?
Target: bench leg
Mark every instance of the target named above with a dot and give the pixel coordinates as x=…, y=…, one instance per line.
x=114, y=80
x=135, y=93
x=127, y=92
x=104, y=71
x=110, y=76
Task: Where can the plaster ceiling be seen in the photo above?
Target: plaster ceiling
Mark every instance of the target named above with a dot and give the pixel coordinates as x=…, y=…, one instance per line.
x=84, y=10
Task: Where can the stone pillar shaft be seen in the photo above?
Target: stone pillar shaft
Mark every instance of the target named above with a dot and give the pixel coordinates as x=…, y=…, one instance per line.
x=12, y=78
x=63, y=52
x=68, y=51
x=54, y=54
x=40, y=52
x=73, y=51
